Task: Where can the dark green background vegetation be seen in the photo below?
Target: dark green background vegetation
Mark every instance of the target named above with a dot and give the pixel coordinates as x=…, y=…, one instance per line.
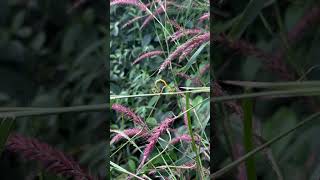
x=51, y=56
x=296, y=155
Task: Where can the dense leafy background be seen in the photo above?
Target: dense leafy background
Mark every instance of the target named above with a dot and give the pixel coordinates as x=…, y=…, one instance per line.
x=126, y=45
x=52, y=57
x=296, y=154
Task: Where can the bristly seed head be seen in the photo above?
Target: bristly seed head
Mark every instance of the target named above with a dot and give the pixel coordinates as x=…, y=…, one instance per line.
x=53, y=160
x=155, y=135
x=194, y=42
x=185, y=138
x=129, y=113
x=130, y=133
x=136, y=3
x=146, y=55
x=204, y=17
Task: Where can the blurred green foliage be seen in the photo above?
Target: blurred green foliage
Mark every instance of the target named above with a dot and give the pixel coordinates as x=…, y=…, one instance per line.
x=295, y=154
x=53, y=55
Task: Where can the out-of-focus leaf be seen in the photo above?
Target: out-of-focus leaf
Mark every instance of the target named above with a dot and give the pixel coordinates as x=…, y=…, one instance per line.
x=250, y=13
x=282, y=120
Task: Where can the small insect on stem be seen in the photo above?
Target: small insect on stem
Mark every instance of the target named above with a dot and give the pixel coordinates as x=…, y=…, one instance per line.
x=157, y=89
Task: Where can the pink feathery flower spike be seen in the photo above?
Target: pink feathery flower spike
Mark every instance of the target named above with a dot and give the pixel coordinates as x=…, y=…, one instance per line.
x=185, y=138
x=53, y=160
x=131, y=21
x=129, y=113
x=204, y=17
x=146, y=55
x=130, y=133
x=184, y=32
x=187, y=51
x=158, y=11
x=194, y=42
x=152, y=141
x=185, y=117
x=129, y=2
x=175, y=24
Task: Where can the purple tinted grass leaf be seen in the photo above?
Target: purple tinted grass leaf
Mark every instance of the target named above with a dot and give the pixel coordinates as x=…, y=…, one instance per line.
x=130, y=133
x=129, y=113
x=52, y=160
x=146, y=55
x=238, y=152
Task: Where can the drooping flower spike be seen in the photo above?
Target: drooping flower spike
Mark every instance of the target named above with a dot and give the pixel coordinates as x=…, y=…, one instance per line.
x=204, y=17
x=153, y=139
x=130, y=133
x=129, y=113
x=146, y=55
x=194, y=43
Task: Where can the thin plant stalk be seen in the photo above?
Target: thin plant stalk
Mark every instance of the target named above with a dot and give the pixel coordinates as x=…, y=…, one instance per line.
x=194, y=147
x=273, y=94
x=247, y=106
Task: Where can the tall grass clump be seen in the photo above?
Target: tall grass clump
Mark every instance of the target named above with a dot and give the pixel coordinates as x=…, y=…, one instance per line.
x=160, y=68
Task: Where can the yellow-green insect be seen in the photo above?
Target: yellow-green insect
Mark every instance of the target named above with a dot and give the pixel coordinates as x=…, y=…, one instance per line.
x=158, y=89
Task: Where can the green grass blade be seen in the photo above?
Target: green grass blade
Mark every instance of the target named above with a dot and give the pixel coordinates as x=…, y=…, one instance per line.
x=53, y=111
x=194, y=147
x=119, y=168
x=274, y=85
x=273, y=94
x=247, y=106
x=158, y=94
